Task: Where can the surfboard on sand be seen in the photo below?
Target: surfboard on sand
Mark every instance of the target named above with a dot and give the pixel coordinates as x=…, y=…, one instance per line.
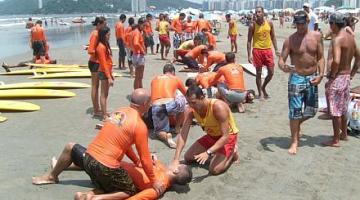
x=2, y=119
x=250, y=69
x=112, y=48
x=54, y=65
x=86, y=74
x=43, y=71
x=34, y=93
x=43, y=85
x=17, y=106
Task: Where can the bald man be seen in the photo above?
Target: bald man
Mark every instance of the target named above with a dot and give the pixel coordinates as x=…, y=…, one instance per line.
x=102, y=159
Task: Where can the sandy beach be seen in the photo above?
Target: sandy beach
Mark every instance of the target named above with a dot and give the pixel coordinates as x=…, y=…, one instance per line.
x=266, y=170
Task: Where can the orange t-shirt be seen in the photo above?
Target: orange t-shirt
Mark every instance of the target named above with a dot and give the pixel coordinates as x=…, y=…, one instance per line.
x=137, y=42
x=147, y=28
x=204, y=79
x=124, y=128
x=215, y=57
x=94, y=40
x=128, y=36
x=177, y=25
x=142, y=182
x=196, y=51
x=203, y=23
x=211, y=39
x=165, y=86
x=119, y=30
x=105, y=60
x=234, y=76
x=189, y=27
x=37, y=33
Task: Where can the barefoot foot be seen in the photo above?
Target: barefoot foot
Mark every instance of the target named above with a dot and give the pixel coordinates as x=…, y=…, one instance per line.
x=43, y=180
x=293, y=149
x=331, y=143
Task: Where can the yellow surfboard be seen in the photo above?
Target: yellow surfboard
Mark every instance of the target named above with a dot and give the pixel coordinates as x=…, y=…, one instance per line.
x=34, y=93
x=2, y=119
x=86, y=74
x=55, y=65
x=112, y=48
x=43, y=85
x=17, y=106
x=44, y=70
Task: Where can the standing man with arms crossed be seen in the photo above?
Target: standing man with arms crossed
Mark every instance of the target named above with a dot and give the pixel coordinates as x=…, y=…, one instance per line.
x=262, y=33
x=93, y=64
x=120, y=40
x=232, y=32
x=337, y=89
x=138, y=50
x=220, y=142
x=307, y=55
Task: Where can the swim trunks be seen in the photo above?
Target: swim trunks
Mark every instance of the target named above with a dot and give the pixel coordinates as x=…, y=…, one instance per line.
x=164, y=39
x=232, y=96
x=149, y=41
x=93, y=66
x=263, y=57
x=337, y=92
x=138, y=59
x=121, y=45
x=190, y=62
x=38, y=48
x=303, y=97
x=78, y=155
x=108, y=179
x=129, y=54
x=160, y=113
x=176, y=40
x=208, y=141
x=233, y=38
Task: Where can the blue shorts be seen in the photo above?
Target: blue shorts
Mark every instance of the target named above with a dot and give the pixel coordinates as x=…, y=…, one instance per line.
x=232, y=96
x=161, y=112
x=176, y=41
x=303, y=97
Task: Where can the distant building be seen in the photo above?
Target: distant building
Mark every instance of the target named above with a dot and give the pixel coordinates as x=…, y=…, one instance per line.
x=251, y=4
x=40, y=4
x=138, y=5
x=352, y=3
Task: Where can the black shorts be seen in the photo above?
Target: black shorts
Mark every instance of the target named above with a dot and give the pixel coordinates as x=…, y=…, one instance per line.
x=120, y=43
x=77, y=155
x=93, y=66
x=108, y=179
x=102, y=76
x=190, y=62
x=38, y=48
x=218, y=66
x=149, y=41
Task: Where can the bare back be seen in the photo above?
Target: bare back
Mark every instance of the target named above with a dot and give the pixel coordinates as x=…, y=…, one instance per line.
x=345, y=43
x=304, y=52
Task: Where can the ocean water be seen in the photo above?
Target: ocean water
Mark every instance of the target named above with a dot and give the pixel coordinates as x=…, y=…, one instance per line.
x=14, y=37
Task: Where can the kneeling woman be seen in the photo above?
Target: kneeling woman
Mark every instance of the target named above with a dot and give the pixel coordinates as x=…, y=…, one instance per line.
x=104, y=54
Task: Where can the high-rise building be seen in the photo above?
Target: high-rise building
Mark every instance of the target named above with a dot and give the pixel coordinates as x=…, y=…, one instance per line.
x=138, y=5
x=40, y=4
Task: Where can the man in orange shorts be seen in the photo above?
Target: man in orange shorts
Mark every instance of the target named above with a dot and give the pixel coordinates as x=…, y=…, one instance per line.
x=102, y=159
x=219, y=145
x=165, y=102
x=262, y=33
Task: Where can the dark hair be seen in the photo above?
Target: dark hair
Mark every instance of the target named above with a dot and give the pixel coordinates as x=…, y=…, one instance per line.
x=98, y=20
x=141, y=21
x=262, y=8
x=122, y=17
x=30, y=19
x=340, y=25
x=148, y=15
x=168, y=68
x=197, y=37
x=131, y=21
x=201, y=15
x=184, y=176
x=230, y=57
x=195, y=90
x=182, y=15
x=228, y=15
x=204, y=30
x=38, y=22
x=204, y=51
x=249, y=92
x=102, y=38
x=190, y=81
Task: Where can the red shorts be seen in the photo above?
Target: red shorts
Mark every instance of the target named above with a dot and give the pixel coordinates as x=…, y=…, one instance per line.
x=181, y=52
x=208, y=141
x=164, y=39
x=263, y=57
x=233, y=38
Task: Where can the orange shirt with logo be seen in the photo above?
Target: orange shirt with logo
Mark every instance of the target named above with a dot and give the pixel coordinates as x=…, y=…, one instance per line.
x=105, y=60
x=137, y=42
x=124, y=128
x=165, y=86
x=234, y=76
x=196, y=51
x=177, y=25
x=119, y=30
x=94, y=40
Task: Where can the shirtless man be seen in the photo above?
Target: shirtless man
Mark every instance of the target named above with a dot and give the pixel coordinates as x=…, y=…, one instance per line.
x=307, y=55
x=219, y=145
x=165, y=102
x=337, y=89
x=262, y=33
x=102, y=159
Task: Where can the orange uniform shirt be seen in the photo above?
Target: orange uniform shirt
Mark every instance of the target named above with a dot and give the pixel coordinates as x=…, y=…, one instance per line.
x=147, y=28
x=142, y=182
x=165, y=86
x=177, y=25
x=94, y=40
x=204, y=79
x=196, y=51
x=214, y=57
x=37, y=33
x=234, y=76
x=119, y=30
x=124, y=128
x=189, y=27
x=128, y=36
x=203, y=23
x=137, y=42
x=105, y=60
x=211, y=39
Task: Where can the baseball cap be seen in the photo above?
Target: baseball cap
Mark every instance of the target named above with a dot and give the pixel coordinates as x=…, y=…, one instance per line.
x=337, y=18
x=300, y=17
x=306, y=5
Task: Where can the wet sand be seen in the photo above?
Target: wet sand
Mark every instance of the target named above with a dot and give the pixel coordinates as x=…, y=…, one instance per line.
x=266, y=170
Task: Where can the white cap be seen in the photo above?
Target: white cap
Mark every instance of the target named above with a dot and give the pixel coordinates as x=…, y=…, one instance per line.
x=307, y=5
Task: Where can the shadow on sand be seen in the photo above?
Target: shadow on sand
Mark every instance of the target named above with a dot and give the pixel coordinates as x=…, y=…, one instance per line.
x=82, y=183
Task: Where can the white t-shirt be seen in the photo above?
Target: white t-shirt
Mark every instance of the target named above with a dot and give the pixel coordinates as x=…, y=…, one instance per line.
x=313, y=20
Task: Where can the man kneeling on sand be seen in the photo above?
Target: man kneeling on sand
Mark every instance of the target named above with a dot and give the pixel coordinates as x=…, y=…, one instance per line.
x=73, y=157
